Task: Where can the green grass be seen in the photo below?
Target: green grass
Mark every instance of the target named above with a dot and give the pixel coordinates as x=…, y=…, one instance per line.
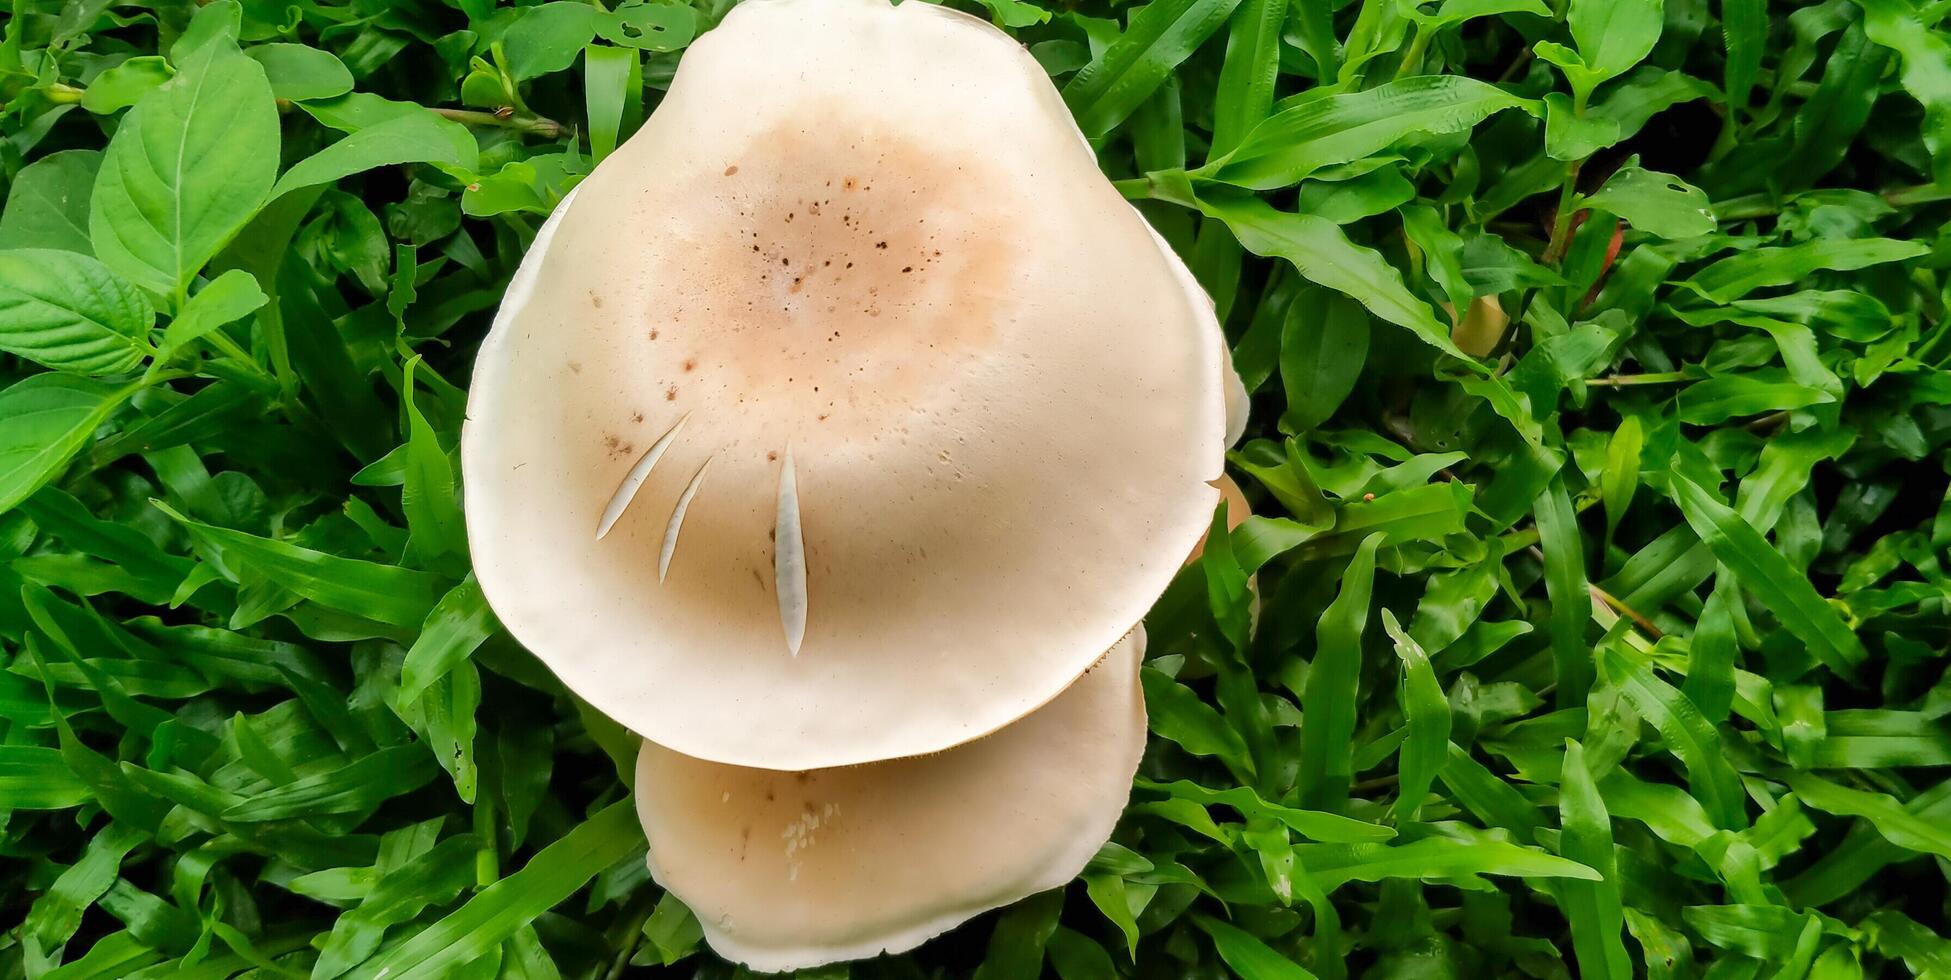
x=255, y=721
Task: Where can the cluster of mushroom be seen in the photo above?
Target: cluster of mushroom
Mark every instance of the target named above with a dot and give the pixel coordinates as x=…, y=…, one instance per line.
x=834, y=436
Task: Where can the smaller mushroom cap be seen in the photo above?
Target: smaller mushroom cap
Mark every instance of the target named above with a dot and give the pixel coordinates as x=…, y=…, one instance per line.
x=789, y=870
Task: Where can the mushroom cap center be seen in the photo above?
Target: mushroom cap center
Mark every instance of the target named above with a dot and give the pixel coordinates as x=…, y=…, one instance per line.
x=840, y=270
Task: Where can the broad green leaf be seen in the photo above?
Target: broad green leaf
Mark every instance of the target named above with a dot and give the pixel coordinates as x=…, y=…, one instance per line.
x=1249, y=72
x=1712, y=652
x=67, y=311
x=495, y=912
x=655, y=26
x=1112, y=897
x=126, y=84
x=1894, y=934
x=445, y=716
x=1442, y=258
x=1248, y=957
x=1744, y=272
x=1076, y=956
x=672, y=930
x=44, y=421
x=1452, y=601
x=57, y=912
x=1449, y=13
x=613, y=94
x=1160, y=36
x=118, y=954
x=1760, y=931
x=227, y=298
x=1830, y=121
x=1178, y=715
x=1919, y=41
x=1322, y=348
x=526, y=757
x=1881, y=739
x=220, y=22
x=154, y=573
x=1437, y=859
x=1321, y=251
x=1594, y=907
x=1015, y=12
x=1619, y=481
x=1228, y=593
x=1730, y=396
x=1744, y=29
x=1667, y=953
x=188, y=166
x=413, y=137
x=1329, y=699
x=1017, y=944
x=457, y=625
x=1656, y=203
x=1799, y=708
x=47, y=204
x=1379, y=29
x=429, y=494
x=1297, y=142
x=1312, y=824
x=1425, y=513
x=1685, y=732
x=1762, y=570
x=298, y=71
x=1887, y=816
x=1624, y=110
x=357, y=788
x=547, y=38
x=1567, y=590
x=1426, y=749
x=1613, y=35
x=1664, y=808
x=386, y=593
x=35, y=778
x=1490, y=798
x=433, y=878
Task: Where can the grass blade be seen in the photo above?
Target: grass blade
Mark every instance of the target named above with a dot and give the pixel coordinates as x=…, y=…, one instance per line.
x=496, y=912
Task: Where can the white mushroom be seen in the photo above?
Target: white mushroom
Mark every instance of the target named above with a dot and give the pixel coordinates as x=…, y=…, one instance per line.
x=1237, y=400
x=791, y=870
x=846, y=412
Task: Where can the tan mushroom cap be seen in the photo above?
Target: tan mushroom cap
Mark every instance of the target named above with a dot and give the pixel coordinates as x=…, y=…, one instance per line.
x=791, y=870
x=893, y=413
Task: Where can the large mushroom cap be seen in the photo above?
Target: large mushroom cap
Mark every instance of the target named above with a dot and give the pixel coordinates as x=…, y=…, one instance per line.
x=892, y=414
x=790, y=870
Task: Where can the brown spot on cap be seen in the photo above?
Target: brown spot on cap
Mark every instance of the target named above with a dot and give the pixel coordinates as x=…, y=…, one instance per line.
x=731, y=170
